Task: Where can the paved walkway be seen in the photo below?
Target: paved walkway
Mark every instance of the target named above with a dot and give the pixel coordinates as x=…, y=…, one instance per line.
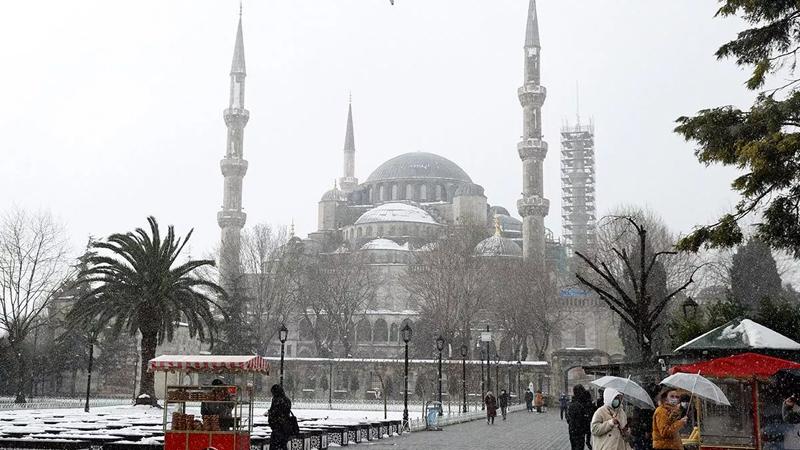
x=522, y=430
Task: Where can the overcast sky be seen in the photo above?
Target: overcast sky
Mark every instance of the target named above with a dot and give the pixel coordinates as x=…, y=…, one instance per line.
x=112, y=111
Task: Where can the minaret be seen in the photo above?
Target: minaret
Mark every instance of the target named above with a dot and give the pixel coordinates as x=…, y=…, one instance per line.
x=533, y=207
x=231, y=219
x=348, y=182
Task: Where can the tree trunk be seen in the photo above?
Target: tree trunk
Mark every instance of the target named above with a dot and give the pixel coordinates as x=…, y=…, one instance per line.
x=147, y=378
x=21, y=374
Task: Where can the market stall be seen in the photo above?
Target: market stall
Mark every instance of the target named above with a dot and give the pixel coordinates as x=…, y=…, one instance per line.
x=216, y=415
x=753, y=421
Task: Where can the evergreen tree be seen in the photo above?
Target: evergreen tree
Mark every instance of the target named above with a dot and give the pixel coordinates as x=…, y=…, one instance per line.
x=764, y=141
x=754, y=276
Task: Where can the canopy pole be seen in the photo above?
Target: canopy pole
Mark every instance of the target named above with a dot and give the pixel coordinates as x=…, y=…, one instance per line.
x=756, y=416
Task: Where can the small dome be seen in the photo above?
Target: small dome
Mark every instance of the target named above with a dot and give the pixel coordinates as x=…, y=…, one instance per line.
x=396, y=212
x=334, y=194
x=498, y=210
x=498, y=246
x=384, y=244
x=469, y=189
x=419, y=165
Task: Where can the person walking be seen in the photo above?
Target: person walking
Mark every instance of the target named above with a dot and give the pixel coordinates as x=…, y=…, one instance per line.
x=578, y=418
x=503, y=403
x=667, y=421
x=491, y=407
x=279, y=419
x=538, y=401
x=609, y=426
x=563, y=401
x=599, y=402
x=529, y=400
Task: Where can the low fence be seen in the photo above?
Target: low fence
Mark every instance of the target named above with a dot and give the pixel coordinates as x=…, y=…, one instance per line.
x=7, y=403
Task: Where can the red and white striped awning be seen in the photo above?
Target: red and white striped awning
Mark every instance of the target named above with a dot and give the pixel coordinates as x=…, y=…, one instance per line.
x=209, y=363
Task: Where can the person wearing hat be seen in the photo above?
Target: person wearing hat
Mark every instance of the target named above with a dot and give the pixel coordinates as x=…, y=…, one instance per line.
x=610, y=424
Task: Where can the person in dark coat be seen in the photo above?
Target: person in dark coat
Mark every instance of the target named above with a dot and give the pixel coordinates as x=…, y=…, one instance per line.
x=563, y=402
x=491, y=407
x=278, y=418
x=222, y=407
x=503, y=403
x=529, y=400
x=599, y=402
x=579, y=413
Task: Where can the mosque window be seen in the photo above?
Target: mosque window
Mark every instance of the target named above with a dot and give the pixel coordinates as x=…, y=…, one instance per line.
x=305, y=330
x=380, y=332
x=423, y=192
x=382, y=191
x=438, y=192
x=369, y=231
x=363, y=331
x=360, y=232
x=410, y=192
x=580, y=335
x=393, y=330
x=394, y=192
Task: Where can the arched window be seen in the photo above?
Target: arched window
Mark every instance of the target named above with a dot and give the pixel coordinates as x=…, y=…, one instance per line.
x=360, y=232
x=369, y=231
x=382, y=191
x=394, y=192
x=363, y=331
x=580, y=335
x=393, y=332
x=410, y=192
x=423, y=192
x=305, y=330
x=380, y=333
x=438, y=192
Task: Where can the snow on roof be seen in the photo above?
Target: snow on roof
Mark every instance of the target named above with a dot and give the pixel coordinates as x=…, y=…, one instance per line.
x=396, y=212
x=744, y=334
x=384, y=244
x=243, y=363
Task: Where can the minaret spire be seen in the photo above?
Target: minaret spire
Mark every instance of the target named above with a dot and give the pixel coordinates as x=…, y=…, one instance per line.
x=533, y=207
x=231, y=219
x=348, y=182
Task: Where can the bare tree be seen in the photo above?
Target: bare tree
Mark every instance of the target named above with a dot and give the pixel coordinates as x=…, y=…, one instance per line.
x=33, y=265
x=636, y=272
x=448, y=284
x=335, y=289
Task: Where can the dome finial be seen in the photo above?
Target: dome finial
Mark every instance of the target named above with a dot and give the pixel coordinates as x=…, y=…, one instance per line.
x=498, y=230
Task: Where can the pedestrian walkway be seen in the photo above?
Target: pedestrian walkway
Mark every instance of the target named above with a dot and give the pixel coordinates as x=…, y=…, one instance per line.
x=522, y=430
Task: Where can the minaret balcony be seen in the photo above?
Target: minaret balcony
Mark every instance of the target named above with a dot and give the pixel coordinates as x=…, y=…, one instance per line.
x=532, y=149
x=532, y=94
x=533, y=205
x=236, y=117
x=233, y=167
x=231, y=218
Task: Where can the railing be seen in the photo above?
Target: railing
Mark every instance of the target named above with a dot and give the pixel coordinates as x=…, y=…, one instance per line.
x=7, y=403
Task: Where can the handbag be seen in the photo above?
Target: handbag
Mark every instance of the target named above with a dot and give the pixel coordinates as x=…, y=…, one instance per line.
x=292, y=428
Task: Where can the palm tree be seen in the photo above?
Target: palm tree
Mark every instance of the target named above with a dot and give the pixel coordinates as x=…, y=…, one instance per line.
x=133, y=286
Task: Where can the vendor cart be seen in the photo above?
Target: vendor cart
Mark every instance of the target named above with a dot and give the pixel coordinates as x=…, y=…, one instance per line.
x=753, y=421
x=228, y=406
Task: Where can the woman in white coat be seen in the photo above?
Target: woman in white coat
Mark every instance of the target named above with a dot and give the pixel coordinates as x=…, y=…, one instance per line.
x=610, y=424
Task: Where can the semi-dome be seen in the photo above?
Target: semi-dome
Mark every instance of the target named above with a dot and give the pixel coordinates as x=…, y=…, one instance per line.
x=496, y=209
x=396, y=212
x=384, y=244
x=419, y=165
x=334, y=194
x=498, y=246
x=469, y=190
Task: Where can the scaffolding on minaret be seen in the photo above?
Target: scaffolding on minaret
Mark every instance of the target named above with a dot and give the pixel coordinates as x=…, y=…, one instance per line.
x=578, y=209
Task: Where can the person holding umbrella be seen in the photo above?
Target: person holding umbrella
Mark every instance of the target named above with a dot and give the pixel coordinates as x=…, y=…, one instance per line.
x=667, y=421
x=610, y=424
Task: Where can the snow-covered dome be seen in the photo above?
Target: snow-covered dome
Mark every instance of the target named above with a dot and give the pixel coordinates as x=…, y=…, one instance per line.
x=384, y=244
x=419, y=165
x=469, y=189
x=334, y=194
x=395, y=212
x=496, y=245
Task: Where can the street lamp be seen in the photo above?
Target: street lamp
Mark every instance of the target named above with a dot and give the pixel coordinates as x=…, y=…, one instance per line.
x=519, y=385
x=488, y=361
x=283, y=333
x=496, y=373
x=440, y=347
x=483, y=385
x=689, y=307
x=405, y=332
x=464, y=350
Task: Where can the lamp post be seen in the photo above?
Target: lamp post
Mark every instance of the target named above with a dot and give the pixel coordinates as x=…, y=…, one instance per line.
x=496, y=373
x=283, y=333
x=406, y=334
x=89, y=372
x=483, y=385
x=488, y=361
x=440, y=347
x=689, y=307
x=519, y=385
x=464, y=350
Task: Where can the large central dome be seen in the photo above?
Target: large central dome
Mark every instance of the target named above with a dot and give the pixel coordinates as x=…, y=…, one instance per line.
x=419, y=165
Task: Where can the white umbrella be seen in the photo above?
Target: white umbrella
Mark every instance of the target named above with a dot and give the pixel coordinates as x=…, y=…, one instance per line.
x=633, y=393
x=698, y=385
